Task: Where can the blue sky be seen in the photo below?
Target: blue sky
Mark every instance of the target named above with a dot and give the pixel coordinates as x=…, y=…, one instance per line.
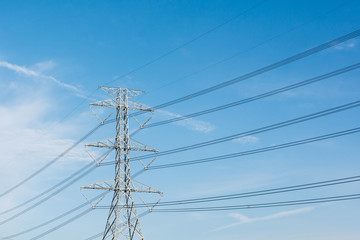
x=53, y=55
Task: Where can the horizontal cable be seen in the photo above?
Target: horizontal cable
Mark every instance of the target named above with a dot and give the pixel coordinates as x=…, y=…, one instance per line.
x=46, y=198
x=83, y=213
x=56, y=218
x=49, y=189
x=252, y=47
x=72, y=220
x=51, y=162
x=250, y=132
x=264, y=205
x=260, y=96
x=259, y=150
x=296, y=57
x=190, y=41
x=262, y=70
x=169, y=52
x=90, y=169
x=300, y=187
x=62, y=215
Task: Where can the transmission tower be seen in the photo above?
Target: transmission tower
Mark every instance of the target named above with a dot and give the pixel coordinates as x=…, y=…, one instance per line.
x=123, y=219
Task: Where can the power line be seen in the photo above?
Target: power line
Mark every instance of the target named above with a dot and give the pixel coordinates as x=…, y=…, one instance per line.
x=271, y=127
x=260, y=96
x=202, y=92
x=56, y=218
x=48, y=190
x=255, y=151
x=236, y=103
x=265, y=69
x=160, y=57
x=299, y=187
x=218, y=62
x=190, y=41
x=47, y=197
x=251, y=48
x=259, y=130
x=264, y=205
x=293, y=188
x=254, y=193
x=37, y=172
x=163, y=153
x=61, y=215
x=83, y=213
x=251, y=132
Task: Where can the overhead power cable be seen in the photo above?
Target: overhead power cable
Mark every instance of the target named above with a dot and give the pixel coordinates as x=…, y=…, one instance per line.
x=247, y=194
x=57, y=227
x=252, y=47
x=56, y=218
x=237, y=103
x=231, y=57
x=37, y=172
x=293, y=188
x=83, y=213
x=48, y=197
x=322, y=113
x=202, y=92
x=255, y=151
x=262, y=70
x=49, y=189
x=264, y=205
x=251, y=132
x=191, y=41
x=164, y=55
x=306, y=186
x=258, y=130
x=260, y=96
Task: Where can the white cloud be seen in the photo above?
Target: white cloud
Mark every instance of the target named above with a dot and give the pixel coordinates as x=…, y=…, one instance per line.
x=346, y=45
x=19, y=69
x=242, y=219
x=190, y=123
x=246, y=139
x=38, y=74
x=29, y=140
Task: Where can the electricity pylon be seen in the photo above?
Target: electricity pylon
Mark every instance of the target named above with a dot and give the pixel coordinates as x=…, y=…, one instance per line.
x=123, y=220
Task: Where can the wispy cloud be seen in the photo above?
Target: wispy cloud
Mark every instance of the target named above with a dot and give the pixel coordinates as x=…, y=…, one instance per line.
x=346, y=45
x=190, y=123
x=242, y=219
x=246, y=139
x=31, y=136
x=38, y=74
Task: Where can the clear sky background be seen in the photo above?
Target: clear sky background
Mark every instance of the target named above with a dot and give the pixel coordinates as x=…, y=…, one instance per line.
x=54, y=55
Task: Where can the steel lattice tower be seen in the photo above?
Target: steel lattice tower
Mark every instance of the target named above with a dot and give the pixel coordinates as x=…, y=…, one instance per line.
x=123, y=219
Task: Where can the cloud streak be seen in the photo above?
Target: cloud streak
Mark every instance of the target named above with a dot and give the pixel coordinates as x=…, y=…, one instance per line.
x=190, y=123
x=31, y=73
x=242, y=219
x=246, y=139
x=346, y=45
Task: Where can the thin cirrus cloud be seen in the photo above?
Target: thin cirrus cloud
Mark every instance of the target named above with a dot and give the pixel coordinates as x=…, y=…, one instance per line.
x=242, y=219
x=346, y=45
x=190, y=123
x=246, y=139
x=31, y=73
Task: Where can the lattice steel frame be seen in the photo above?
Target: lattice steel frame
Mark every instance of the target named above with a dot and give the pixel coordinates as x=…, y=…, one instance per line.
x=123, y=220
